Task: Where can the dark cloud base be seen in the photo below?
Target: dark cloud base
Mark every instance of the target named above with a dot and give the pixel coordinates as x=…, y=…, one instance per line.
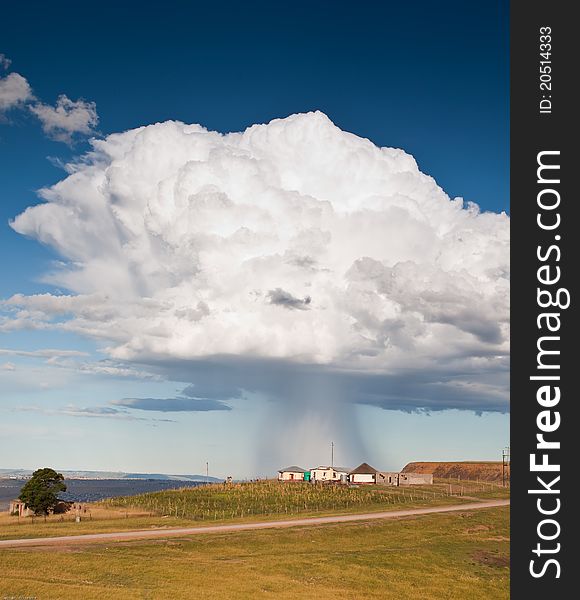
x=173, y=404
x=414, y=390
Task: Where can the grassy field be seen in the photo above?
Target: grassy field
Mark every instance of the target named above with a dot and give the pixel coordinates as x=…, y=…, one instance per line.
x=245, y=502
x=230, y=501
x=450, y=556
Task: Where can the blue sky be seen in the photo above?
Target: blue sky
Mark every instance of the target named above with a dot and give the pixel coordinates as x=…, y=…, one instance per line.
x=432, y=79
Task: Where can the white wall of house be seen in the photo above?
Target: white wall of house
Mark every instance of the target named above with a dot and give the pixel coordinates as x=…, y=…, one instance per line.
x=290, y=476
x=327, y=474
x=362, y=478
x=322, y=474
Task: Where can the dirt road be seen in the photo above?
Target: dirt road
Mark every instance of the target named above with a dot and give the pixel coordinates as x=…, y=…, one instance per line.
x=185, y=531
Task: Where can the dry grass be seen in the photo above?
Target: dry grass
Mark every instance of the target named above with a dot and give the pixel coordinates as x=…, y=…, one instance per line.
x=231, y=501
x=438, y=557
x=482, y=471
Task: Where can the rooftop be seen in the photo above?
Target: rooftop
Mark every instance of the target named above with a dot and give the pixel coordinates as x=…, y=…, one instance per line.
x=293, y=469
x=364, y=468
x=328, y=468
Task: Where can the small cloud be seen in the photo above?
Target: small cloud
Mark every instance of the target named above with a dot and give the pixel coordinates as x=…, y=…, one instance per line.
x=68, y=359
x=57, y=162
x=47, y=353
x=173, y=404
x=110, y=368
x=105, y=412
x=14, y=91
x=95, y=411
x=283, y=298
x=67, y=118
x=60, y=122
x=5, y=62
x=8, y=366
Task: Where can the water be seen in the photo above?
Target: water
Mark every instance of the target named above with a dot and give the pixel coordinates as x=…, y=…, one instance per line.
x=90, y=490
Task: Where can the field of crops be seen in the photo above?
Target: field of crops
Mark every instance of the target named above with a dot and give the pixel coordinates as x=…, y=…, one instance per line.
x=239, y=500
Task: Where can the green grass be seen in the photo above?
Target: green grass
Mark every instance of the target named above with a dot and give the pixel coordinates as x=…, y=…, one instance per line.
x=437, y=557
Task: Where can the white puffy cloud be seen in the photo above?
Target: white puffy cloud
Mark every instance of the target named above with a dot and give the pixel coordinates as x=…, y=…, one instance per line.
x=293, y=241
x=61, y=122
x=5, y=62
x=67, y=118
x=14, y=91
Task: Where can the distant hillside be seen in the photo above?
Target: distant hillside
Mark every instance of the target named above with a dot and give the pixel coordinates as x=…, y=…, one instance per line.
x=26, y=473
x=484, y=471
x=163, y=476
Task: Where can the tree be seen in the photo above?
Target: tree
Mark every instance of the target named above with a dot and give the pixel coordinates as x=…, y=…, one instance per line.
x=40, y=492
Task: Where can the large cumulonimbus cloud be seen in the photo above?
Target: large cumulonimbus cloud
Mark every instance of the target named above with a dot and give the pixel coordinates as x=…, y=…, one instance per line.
x=292, y=244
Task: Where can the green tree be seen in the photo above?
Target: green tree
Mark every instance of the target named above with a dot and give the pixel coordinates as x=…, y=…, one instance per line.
x=40, y=492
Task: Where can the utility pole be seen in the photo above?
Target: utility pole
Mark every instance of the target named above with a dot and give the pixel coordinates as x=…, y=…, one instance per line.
x=332, y=455
x=505, y=463
x=207, y=472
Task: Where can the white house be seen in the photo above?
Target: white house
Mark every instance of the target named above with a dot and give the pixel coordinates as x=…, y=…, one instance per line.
x=291, y=474
x=323, y=473
x=364, y=473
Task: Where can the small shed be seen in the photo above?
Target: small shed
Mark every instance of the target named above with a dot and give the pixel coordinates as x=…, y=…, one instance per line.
x=387, y=477
x=292, y=473
x=19, y=508
x=364, y=473
x=415, y=478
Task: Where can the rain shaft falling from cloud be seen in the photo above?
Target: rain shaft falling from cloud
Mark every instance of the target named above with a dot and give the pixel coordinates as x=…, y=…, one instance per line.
x=301, y=421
